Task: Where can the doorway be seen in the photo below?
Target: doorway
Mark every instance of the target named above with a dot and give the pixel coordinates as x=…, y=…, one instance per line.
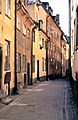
x=0, y=66
x=38, y=70
x=28, y=73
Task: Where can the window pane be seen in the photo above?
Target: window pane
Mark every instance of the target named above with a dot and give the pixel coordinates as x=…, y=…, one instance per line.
x=18, y=22
x=42, y=64
x=77, y=30
x=33, y=65
x=24, y=63
x=28, y=32
x=0, y=5
x=8, y=7
x=33, y=36
x=24, y=29
x=7, y=55
x=18, y=59
x=43, y=42
x=45, y=65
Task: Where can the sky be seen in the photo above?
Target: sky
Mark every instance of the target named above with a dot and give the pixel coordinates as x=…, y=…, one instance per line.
x=60, y=7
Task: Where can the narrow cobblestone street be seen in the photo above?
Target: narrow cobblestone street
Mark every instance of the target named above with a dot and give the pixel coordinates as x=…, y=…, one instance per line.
x=46, y=101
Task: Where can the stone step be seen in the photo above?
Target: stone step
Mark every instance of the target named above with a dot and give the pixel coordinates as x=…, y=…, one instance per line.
x=6, y=100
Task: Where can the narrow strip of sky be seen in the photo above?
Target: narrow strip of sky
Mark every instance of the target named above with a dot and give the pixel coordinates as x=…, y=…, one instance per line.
x=60, y=7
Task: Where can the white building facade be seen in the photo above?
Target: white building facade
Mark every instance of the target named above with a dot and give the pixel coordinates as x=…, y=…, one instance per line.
x=73, y=7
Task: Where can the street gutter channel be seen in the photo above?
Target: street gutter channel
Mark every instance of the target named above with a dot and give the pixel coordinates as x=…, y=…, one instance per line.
x=64, y=111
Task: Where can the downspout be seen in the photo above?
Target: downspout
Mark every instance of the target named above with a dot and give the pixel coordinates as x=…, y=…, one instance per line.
x=70, y=70
x=31, y=82
x=47, y=51
x=15, y=90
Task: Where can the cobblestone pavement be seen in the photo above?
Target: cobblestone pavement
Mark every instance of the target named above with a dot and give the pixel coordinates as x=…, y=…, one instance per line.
x=46, y=101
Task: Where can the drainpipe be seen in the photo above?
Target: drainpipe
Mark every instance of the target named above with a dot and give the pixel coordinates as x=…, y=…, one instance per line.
x=46, y=61
x=70, y=70
x=15, y=90
x=47, y=51
x=35, y=27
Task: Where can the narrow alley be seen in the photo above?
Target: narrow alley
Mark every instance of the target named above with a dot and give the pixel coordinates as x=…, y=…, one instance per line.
x=48, y=100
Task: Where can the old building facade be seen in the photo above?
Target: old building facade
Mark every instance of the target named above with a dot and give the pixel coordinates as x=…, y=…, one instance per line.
x=23, y=49
x=64, y=56
x=7, y=9
x=73, y=13
x=54, y=47
x=36, y=11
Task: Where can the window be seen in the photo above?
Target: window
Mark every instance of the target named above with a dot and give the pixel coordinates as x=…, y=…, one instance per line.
x=24, y=29
x=77, y=29
x=18, y=22
x=33, y=65
x=24, y=63
x=0, y=5
x=25, y=2
x=7, y=55
x=45, y=65
x=40, y=24
x=36, y=16
x=8, y=8
x=40, y=40
x=28, y=33
x=51, y=46
x=33, y=36
x=18, y=59
x=42, y=64
x=43, y=42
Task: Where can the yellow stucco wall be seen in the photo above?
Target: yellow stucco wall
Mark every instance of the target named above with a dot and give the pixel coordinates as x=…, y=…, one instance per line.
x=36, y=12
x=7, y=32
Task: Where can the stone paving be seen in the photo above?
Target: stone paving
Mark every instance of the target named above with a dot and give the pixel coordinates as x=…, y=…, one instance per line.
x=45, y=101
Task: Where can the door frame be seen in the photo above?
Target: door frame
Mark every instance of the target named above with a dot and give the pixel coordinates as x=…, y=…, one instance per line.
x=38, y=78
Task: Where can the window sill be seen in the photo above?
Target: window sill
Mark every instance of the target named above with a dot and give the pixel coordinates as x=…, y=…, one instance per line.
x=7, y=70
x=18, y=72
x=24, y=34
x=18, y=29
x=8, y=16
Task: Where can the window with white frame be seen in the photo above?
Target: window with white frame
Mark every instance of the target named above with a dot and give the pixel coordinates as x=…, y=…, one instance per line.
x=8, y=8
x=7, y=55
x=24, y=29
x=18, y=22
